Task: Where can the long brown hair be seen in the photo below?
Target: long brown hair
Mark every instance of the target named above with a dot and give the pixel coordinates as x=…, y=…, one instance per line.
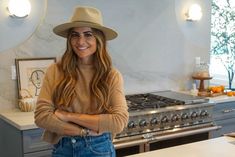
x=65, y=93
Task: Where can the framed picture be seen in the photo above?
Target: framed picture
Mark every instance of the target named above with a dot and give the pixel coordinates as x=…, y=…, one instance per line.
x=30, y=73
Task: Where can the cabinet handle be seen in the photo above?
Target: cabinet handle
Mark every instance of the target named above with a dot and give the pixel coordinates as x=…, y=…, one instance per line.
x=228, y=110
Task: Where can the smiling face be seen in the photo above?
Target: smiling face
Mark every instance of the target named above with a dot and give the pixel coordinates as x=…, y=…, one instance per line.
x=83, y=43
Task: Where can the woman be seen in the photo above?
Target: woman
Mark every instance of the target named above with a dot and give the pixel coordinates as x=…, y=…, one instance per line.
x=81, y=104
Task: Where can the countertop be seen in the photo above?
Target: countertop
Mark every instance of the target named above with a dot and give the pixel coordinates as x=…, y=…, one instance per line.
x=222, y=98
x=216, y=99
x=25, y=120
x=20, y=120
x=217, y=147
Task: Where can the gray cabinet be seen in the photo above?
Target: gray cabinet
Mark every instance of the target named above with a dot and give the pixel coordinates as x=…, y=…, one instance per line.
x=22, y=143
x=224, y=116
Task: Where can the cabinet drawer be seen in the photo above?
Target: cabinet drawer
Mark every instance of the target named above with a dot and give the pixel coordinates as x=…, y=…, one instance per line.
x=46, y=153
x=224, y=110
x=32, y=141
x=227, y=126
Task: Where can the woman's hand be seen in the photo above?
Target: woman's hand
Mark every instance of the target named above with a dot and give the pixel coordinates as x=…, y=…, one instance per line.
x=67, y=117
x=62, y=115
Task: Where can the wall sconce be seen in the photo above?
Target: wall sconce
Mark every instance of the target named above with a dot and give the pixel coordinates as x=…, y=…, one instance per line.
x=194, y=13
x=19, y=8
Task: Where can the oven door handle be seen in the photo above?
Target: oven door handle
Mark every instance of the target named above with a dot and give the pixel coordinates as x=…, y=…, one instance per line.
x=130, y=143
x=184, y=133
x=151, y=137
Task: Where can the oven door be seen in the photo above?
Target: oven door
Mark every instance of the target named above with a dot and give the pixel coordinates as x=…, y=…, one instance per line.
x=179, y=138
x=157, y=140
x=130, y=149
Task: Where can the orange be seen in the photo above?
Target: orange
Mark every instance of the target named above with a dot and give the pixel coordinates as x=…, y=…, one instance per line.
x=218, y=89
x=230, y=93
x=214, y=89
x=222, y=87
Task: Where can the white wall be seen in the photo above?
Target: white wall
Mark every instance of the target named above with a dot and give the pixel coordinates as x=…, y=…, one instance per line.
x=15, y=31
x=155, y=49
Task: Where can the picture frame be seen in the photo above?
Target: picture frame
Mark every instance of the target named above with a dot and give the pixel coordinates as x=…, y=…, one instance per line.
x=30, y=73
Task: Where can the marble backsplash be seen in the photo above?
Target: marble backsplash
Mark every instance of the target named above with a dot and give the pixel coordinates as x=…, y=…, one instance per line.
x=153, y=51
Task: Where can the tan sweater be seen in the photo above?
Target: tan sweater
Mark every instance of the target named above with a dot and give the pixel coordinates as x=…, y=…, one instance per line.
x=113, y=122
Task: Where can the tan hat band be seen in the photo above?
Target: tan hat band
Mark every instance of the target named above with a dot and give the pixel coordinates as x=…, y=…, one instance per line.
x=88, y=22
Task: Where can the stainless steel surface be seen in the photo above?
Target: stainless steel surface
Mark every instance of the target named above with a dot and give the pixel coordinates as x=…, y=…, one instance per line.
x=160, y=136
x=130, y=143
x=164, y=115
x=155, y=115
x=184, y=133
x=188, y=99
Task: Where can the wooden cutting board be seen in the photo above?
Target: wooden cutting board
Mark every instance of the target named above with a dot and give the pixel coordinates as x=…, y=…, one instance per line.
x=209, y=94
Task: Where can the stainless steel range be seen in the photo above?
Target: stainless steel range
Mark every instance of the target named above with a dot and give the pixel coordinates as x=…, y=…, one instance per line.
x=162, y=116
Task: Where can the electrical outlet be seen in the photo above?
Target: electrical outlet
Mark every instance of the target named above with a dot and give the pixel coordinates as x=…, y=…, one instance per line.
x=13, y=72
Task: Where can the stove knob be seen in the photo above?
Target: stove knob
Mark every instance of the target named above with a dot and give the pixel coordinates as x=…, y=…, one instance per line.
x=175, y=118
x=184, y=116
x=194, y=115
x=142, y=123
x=164, y=119
x=153, y=121
x=204, y=113
x=131, y=125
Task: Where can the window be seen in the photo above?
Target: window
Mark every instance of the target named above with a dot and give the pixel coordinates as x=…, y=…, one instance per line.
x=222, y=61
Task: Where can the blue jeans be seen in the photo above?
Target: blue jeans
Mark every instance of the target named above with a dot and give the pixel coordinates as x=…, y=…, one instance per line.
x=89, y=146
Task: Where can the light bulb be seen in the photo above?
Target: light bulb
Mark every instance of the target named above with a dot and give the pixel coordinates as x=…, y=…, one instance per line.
x=19, y=8
x=194, y=12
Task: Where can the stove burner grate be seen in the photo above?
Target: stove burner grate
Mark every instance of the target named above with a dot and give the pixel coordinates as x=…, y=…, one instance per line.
x=138, y=102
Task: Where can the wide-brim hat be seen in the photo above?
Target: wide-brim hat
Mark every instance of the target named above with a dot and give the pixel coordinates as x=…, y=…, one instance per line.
x=85, y=17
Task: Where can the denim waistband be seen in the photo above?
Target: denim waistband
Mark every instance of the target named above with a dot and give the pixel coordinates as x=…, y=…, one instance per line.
x=87, y=138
